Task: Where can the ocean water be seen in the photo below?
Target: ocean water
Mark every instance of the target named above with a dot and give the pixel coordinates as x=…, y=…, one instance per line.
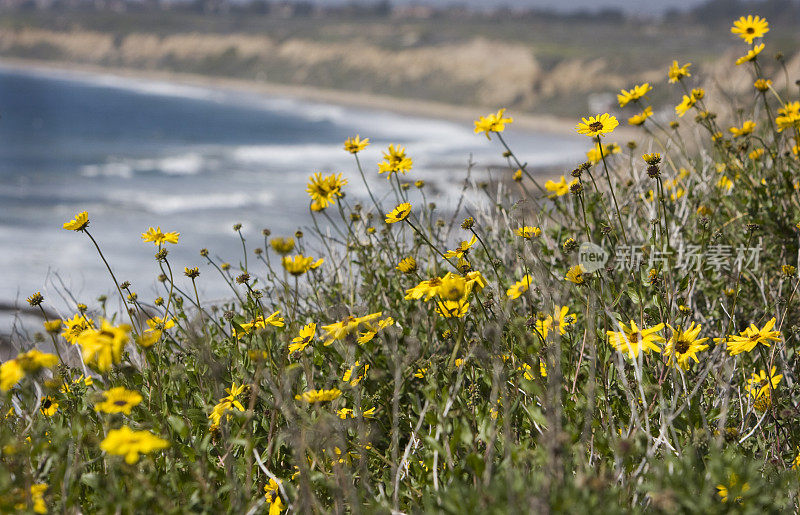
x=138, y=153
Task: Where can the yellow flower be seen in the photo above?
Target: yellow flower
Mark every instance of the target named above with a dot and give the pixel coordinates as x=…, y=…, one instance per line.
x=750, y=27
x=371, y=330
x=762, y=85
x=299, y=264
x=341, y=330
x=639, y=119
x=756, y=154
x=79, y=223
x=86, y=381
x=260, y=322
x=564, y=318
x=52, y=326
x=759, y=385
x=158, y=237
x=149, y=338
x=652, y=159
x=519, y=287
x=453, y=287
x=747, y=340
x=355, y=145
x=594, y=156
x=349, y=374
x=103, y=348
x=633, y=340
x=395, y=161
x=272, y=494
x=118, y=400
x=528, y=232
x=158, y=323
x=796, y=462
x=747, y=128
x=492, y=123
x=597, y=125
x=527, y=371
x=677, y=72
x=49, y=406
x=13, y=370
x=282, y=245
x=399, y=213
x=575, y=274
x=37, y=497
x=626, y=96
x=751, y=54
x=427, y=289
x=420, y=373
x=725, y=183
x=325, y=190
x=304, y=338
x=723, y=490
x=684, y=345
x=463, y=247
x=687, y=103
x=542, y=327
x=453, y=308
x=126, y=442
x=517, y=175
x=559, y=188
x=312, y=396
x=788, y=116
x=407, y=265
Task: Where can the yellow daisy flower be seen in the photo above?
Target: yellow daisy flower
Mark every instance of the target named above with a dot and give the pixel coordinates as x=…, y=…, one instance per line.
x=597, y=125
x=159, y=237
x=126, y=442
x=637, y=92
x=282, y=245
x=356, y=144
x=304, y=338
x=528, y=232
x=492, y=123
x=313, y=396
x=79, y=223
x=118, y=400
x=684, y=345
x=399, y=213
x=676, y=72
x=750, y=27
x=751, y=54
x=395, y=161
x=299, y=264
x=747, y=340
x=632, y=340
x=519, y=287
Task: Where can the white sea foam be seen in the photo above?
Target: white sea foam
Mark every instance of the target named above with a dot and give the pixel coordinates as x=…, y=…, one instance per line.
x=291, y=155
x=169, y=204
x=189, y=163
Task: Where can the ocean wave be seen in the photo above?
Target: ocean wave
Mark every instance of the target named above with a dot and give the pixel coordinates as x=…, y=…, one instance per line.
x=170, y=204
x=315, y=155
x=190, y=163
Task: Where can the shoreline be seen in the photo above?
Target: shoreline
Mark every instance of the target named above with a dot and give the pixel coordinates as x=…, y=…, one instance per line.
x=422, y=108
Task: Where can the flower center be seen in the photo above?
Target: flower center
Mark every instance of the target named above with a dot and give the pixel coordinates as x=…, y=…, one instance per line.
x=120, y=403
x=681, y=346
x=596, y=126
x=750, y=30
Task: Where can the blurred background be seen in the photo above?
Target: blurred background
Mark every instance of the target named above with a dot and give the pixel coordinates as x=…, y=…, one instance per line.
x=194, y=115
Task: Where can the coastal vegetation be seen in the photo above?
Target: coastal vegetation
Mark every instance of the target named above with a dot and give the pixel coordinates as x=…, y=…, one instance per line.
x=621, y=339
